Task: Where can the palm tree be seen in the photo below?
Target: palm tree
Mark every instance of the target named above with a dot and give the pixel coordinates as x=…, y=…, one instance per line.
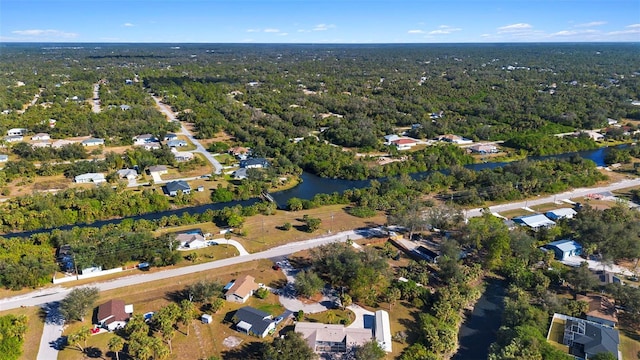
x=331, y=317
x=80, y=336
x=116, y=344
x=187, y=313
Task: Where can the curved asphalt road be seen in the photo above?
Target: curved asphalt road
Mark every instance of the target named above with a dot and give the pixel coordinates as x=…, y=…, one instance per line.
x=165, y=109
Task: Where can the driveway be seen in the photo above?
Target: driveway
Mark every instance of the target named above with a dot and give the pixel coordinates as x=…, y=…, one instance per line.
x=241, y=250
x=365, y=319
x=51, y=334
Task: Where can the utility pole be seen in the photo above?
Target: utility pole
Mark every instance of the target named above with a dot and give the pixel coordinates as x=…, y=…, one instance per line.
x=331, y=225
x=75, y=265
x=263, y=230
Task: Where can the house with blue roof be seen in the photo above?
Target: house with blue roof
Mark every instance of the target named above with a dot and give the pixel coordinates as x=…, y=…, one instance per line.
x=564, y=248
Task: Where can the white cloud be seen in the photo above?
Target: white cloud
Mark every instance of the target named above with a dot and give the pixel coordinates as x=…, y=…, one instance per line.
x=565, y=33
x=128, y=24
x=443, y=30
x=45, y=33
x=633, y=26
x=303, y=30
x=253, y=30
x=519, y=27
x=415, y=32
x=625, y=32
x=283, y=34
x=591, y=24
x=323, y=27
x=271, y=30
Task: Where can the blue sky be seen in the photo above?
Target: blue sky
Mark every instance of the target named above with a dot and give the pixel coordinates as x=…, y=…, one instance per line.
x=316, y=21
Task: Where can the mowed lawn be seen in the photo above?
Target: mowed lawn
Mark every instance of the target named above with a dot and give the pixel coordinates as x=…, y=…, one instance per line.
x=204, y=340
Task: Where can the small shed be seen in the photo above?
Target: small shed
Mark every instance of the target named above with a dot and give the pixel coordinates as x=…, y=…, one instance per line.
x=206, y=319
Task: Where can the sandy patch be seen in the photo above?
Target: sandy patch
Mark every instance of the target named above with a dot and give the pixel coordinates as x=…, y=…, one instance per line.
x=231, y=342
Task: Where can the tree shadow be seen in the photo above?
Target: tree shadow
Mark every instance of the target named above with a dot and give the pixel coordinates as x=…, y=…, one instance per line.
x=176, y=296
x=93, y=352
x=278, y=284
x=247, y=351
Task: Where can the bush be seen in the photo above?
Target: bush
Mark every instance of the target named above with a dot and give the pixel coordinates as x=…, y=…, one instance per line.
x=262, y=293
x=286, y=226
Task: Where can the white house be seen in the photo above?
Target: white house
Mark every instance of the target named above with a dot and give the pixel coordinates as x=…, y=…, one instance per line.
x=129, y=174
x=16, y=132
x=144, y=139
x=404, y=143
x=95, y=178
x=534, y=221
x=484, y=149
x=182, y=155
x=13, y=138
x=93, y=142
x=40, y=137
x=242, y=289
x=332, y=338
x=114, y=314
x=60, y=143
x=382, y=330
x=563, y=249
x=455, y=139
x=562, y=213
x=191, y=241
x=4, y=158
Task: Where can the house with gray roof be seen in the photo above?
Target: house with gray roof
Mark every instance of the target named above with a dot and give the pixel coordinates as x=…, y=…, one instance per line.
x=254, y=163
x=586, y=338
x=176, y=143
x=534, y=221
x=4, y=158
x=252, y=321
x=174, y=186
x=93, y=142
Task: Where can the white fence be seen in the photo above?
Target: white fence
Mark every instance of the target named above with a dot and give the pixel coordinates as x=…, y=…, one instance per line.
x=86, y=276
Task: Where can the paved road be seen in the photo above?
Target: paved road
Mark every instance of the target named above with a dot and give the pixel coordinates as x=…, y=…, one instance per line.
x=95, y=102
x=53, y=294
x=580, y=192
x=165, y=109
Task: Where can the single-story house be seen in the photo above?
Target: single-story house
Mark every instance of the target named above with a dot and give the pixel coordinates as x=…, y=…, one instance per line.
x=17, y=132
x=534, y=221
x=455, y=139
x=158, y=170
x=332, y=338
x=586, y=338
x=41, y=136
x=562, y=213
x=129, y=174
x=41, y=144
x=170, y=136
x=242, y=289
x=114, y=314
x=176, y=143
x=60, y=143
x=382, y=330
x=253, y=322
x=240, y=174
x=4, y=158
x=389, y=139
x=564, y=248
x=254, y=163
x=93, y=142
x=601, y=309
x=13, y=138
x=95, y=178
x=152, y=146
x=594, y=135
x=180, y=185
x=144, y=139
x=240, y=152
x=125, y=107
x=191, y=240
x=182, y=155
x=484, y=149
x=404, y=143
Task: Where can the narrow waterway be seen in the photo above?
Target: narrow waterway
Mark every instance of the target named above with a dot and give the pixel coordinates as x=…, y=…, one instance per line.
x=480, y=327
x=310, y=186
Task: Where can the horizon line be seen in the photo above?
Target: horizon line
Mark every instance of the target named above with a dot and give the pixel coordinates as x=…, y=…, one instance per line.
x=323, y=43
